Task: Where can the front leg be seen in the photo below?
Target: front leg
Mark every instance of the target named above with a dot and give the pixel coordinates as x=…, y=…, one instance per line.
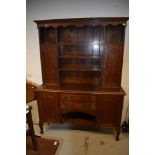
x=118, y=131
x=41, y=127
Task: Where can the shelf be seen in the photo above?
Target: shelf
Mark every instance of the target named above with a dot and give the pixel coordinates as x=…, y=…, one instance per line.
x=84, y=87
x=80, y=44
x=81, y=69
x=79, y=57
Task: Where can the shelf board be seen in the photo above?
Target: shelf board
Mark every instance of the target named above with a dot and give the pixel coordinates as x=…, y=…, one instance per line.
x=80, y=57
x=80, y=44
x=85, y=87
x=81, y=69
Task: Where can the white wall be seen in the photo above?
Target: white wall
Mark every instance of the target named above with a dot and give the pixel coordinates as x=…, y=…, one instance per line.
x=54, y=9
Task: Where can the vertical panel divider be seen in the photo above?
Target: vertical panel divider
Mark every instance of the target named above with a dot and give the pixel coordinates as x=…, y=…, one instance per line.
x=100, y=43
x=85, y=42
x=57, y=55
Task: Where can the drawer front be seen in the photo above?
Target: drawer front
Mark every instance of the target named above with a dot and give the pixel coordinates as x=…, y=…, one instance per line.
x=78, y=103
x=77, y=97
x=78, y=107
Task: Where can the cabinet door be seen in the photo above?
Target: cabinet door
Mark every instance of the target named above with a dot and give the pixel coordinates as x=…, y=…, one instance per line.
x=110, y=110
x=47, y=106
x=114, y=47
x=48, y=54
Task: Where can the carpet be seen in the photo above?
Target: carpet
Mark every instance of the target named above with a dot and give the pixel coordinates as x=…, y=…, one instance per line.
x=45, y=146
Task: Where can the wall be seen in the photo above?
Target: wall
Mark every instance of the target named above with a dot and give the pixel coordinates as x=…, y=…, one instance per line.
x=52, y=9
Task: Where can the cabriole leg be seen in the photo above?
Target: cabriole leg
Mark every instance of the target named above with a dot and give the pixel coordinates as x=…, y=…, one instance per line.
x=118, y=131
x=41, y=127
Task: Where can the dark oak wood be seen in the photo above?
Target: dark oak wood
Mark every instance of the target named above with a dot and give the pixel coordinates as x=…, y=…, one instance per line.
x=78, y=103
x=48, y=107
x=82, y=21
x=110, y=109
x=49, y=64
x=81, y=63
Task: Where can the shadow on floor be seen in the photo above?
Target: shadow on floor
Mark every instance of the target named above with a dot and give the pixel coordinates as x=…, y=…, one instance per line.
x=81, y=128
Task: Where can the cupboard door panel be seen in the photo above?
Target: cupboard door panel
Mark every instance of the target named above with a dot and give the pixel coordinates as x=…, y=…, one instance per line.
x=107, y=110
x=110, y=110
x=114, y=66
x=114, y=47
x=48, y=106
x=49, y=64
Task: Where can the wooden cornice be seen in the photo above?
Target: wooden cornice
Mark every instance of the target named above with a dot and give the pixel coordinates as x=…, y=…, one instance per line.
x=82, y=21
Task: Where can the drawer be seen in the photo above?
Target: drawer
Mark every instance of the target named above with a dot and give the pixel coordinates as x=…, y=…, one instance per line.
x=72, y=106
x=77, y=97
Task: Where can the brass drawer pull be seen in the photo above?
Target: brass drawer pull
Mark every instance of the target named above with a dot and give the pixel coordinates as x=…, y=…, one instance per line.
x=86, y=108
x=86, y=99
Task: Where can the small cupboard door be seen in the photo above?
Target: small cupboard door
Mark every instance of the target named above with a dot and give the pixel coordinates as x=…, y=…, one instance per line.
x=47, y=106
x=48, y=55
x=49, y=65
x=114, y=46
x=110, y=110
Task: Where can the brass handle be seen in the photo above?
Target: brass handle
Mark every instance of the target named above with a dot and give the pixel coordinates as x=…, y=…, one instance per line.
x=86, y=108
x=86, y=99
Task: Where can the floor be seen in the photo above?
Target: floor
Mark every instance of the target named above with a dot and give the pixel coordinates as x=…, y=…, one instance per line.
x=82, y=141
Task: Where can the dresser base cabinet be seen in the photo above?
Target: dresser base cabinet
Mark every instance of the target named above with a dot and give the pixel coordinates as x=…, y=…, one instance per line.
x=102, y=110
